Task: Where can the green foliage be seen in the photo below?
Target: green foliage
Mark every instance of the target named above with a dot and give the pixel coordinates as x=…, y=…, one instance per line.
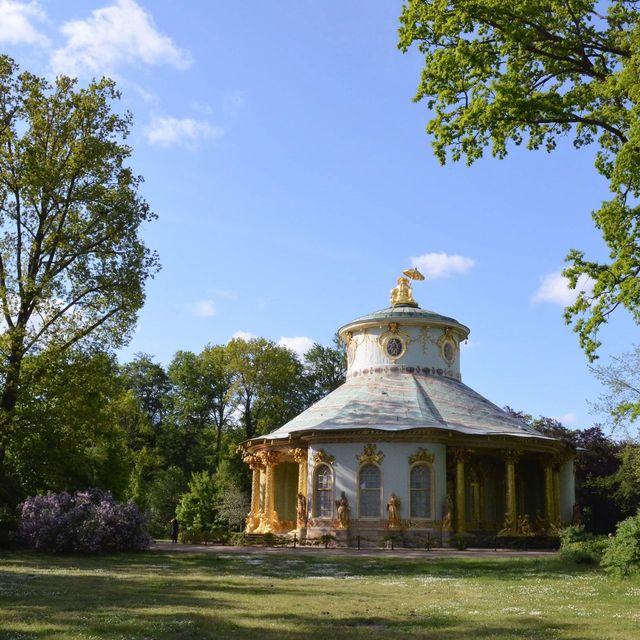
x=266, y=384
x=606, y=472
x=72, y=266
x=162, y=495
x=65, y=433
x=621, y=378
x=197, y=509
x=622, y=555
x=325, y=369
x=580, y=546
x=520, y=72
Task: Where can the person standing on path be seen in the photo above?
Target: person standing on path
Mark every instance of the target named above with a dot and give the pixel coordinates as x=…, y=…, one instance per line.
x=175, y=528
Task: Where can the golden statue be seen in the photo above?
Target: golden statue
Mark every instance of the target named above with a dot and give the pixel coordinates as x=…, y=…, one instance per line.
x=343, y=511
x=402, y=292
x=393, y=507
x=301, y=511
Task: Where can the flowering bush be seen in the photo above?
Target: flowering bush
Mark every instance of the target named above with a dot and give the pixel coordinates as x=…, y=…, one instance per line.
x=86, y=521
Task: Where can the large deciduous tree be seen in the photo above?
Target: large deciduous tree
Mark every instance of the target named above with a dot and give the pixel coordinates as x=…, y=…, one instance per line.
x=531, y=71
x=72, y=266
x=267, y=384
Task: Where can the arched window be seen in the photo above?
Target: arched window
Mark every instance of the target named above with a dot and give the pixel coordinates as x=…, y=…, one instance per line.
x=370, y=485
x=323, y=492
x=420, y=486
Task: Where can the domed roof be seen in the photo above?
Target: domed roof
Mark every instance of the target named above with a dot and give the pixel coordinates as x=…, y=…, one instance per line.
x=401, y=402
x=406, y=314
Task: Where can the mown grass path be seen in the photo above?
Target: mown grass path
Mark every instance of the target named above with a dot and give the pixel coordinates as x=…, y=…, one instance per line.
x=165, y=594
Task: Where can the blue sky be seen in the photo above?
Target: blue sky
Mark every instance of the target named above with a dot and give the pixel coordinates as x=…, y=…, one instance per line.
x=294, y=181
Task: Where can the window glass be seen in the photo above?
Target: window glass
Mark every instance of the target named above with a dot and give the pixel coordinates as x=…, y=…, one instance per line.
x=323, y=489
x=421, y=491
x=370, y=491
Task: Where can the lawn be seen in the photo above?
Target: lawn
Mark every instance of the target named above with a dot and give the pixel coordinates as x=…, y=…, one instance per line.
x=158, y=595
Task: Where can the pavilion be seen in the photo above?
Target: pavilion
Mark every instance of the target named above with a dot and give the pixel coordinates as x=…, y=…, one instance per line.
x=404, y=446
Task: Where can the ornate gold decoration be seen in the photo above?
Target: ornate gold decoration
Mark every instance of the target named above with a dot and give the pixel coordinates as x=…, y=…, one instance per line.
x=321, y=456
x=399, y=339
x=511, y=455
x=403, y=294
x=450, y=338
x=370, y=455
x=460, y=454
x=342, y=507
x=422, y=455
x=393, y=512
x=254, y=461
x=269, y=458
x=413, y=274
x=352, y=346
x=425, y=338
x=299, y=455
x=301, y=511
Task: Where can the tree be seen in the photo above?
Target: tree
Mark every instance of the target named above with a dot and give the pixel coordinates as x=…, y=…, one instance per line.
x=325, y=369
x=267, y=384
x=530, y=72
x=621, y=377
x=150, y=384
x=72, y=267
x=66, y=433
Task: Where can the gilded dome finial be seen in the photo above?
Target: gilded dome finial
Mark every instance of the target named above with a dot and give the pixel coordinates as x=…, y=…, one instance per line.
x=402, y=294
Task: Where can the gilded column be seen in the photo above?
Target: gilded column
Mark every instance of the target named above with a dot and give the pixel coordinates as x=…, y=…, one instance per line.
x=556, y=493
x=253, y=518
x=460, y=456
x=269, y=521
x=300, y=456
x=549, y=501
x=510, y=515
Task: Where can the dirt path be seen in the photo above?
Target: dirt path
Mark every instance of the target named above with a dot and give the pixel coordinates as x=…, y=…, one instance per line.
x=351, y=552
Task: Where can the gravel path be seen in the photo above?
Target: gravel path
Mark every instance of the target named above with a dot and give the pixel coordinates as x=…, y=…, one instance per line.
x=351, y=552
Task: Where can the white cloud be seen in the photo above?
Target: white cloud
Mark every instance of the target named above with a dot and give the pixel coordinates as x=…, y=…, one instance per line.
x=118, y=34
x=244, y=335
x=170, y=132
x=442, y=265
x=16, y=23
x=566, y=418
x=203, y=308
x=554, y=288
x=298, y=344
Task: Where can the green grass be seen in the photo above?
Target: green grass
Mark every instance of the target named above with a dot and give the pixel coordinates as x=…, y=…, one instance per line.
x=164, y=595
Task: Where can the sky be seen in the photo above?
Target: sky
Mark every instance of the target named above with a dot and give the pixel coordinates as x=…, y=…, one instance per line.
x=293, y=181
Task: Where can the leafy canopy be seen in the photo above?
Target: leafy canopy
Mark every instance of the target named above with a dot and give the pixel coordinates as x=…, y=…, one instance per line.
x=72, y=267
x=529, y=72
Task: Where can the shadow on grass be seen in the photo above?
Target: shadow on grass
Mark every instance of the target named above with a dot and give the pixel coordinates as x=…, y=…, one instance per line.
x=163, y=595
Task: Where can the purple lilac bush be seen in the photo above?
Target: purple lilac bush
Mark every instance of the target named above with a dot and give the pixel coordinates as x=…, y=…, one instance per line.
x=87, y=521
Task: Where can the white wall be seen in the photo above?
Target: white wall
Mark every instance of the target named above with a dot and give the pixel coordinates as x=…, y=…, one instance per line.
x=395, y=472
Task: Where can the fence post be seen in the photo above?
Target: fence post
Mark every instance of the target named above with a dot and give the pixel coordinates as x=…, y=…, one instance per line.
x=358, y=543
x=295, y=539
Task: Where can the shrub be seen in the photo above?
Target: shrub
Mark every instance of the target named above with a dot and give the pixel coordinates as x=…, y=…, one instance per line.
x=86, y=521
x=622, y=555
x=580, y=546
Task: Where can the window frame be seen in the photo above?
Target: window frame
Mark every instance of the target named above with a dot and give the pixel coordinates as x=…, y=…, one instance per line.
x=327, y=492
x=431, y=498
x=360, y=491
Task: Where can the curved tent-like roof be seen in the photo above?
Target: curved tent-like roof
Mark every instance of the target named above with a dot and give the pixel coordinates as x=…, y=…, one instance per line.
x=397, y=402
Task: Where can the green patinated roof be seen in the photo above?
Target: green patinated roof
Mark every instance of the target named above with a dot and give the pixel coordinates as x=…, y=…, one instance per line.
x=405, y=312
x=404, y=401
